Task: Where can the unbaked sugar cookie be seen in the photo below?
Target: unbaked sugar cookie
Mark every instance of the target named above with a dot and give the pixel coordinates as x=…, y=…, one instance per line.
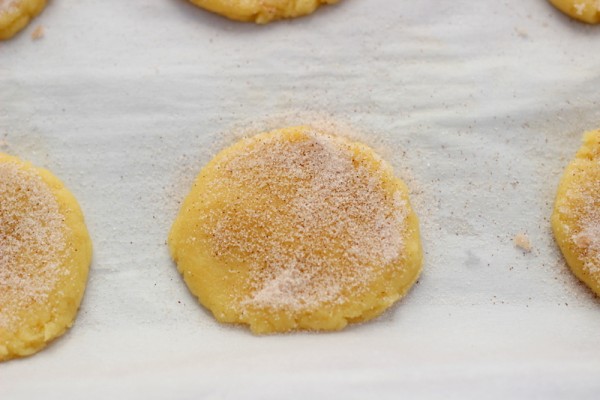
x=583, y=10
x=297, y=229
x=16, y=14
x=45, y=253
x=576, y=217
x=261, y=11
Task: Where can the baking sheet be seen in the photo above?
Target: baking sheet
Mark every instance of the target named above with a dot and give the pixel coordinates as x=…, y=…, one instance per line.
x=478, y=105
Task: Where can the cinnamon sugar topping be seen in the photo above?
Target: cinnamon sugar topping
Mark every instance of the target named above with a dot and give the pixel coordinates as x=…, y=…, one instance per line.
x=310, y=219
x=587, y=199
x=31, y=241
x=8, y=5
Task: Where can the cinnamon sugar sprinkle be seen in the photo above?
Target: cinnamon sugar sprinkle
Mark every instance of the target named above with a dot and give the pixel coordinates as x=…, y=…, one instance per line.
x=8, y=5
x=308, y=219
x=587, y=199
x=522, y=242
x=37, y=33
x=31, y=240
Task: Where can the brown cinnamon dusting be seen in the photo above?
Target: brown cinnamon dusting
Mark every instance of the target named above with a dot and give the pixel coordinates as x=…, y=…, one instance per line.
x=312, y=224
x=8, y=6
x=31, y=239
x=584, y=200
x=37, y=33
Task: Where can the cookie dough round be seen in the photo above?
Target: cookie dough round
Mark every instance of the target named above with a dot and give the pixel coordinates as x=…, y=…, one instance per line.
x=297, y=229
x=261, y=11
x=576, y=217
x=583, y=10
x=16, y=14
x=45, y=253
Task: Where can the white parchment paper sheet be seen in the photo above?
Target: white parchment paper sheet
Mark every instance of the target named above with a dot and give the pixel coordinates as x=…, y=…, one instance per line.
x=478, y=104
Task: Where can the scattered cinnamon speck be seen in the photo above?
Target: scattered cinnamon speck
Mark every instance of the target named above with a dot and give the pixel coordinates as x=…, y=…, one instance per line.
x=37, y=33
x=522, y=242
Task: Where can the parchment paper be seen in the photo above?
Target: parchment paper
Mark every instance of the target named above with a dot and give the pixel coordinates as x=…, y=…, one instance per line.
x=479, y=105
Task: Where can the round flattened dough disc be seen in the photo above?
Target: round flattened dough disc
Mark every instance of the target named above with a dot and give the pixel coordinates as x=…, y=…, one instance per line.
x=261, y=11
x=576, y=216
x=297, y=229
x=16, y=14
x=582, y=10
x=45, y=253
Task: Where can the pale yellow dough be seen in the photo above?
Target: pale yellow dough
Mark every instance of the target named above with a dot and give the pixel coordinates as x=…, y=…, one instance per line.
x=576, y=217
x=261, y=11
x=583, y=10
x=297, y=229
x=45, y=253
x=16, y=14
